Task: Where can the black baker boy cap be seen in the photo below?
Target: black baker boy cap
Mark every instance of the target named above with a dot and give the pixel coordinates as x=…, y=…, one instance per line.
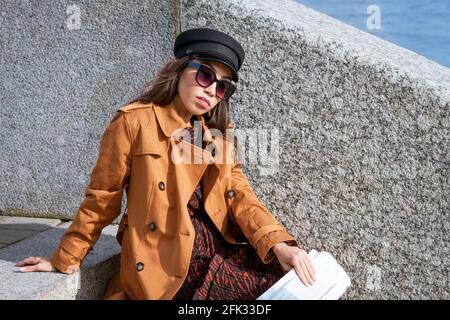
x=210, y=44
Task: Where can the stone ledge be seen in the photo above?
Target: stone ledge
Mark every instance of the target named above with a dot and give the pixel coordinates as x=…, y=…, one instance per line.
x=88, y=283
x=14, y=229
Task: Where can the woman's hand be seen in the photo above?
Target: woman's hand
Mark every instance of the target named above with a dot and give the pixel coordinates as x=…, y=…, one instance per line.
x=32, y=264
x=294, y=257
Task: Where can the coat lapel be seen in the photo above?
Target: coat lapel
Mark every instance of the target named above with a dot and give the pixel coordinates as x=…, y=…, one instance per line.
x=213, y=163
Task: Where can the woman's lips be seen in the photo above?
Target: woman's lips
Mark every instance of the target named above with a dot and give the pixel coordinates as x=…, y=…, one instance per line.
x=203, y=102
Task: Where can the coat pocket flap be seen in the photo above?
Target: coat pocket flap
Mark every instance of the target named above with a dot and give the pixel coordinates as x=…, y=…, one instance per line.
x=150, y=144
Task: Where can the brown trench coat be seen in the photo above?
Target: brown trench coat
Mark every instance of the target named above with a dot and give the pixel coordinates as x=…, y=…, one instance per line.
x=156, y=234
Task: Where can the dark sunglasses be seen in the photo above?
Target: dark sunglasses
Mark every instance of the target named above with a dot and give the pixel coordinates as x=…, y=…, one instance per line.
x=206, y=77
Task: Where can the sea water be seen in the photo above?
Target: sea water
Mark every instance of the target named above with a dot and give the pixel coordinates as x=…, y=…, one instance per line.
x=418, y=25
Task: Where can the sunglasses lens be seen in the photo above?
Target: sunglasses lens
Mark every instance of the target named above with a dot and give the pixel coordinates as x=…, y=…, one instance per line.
x=205, y=77
x=223, y=89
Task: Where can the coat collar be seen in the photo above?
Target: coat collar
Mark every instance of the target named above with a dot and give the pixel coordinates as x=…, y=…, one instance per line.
x=170, y=121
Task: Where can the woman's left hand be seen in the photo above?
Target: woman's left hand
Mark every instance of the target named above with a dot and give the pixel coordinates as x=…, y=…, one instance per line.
x=294, y=257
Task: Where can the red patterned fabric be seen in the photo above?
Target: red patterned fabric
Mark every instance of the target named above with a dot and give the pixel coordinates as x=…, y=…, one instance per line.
x=220, y=270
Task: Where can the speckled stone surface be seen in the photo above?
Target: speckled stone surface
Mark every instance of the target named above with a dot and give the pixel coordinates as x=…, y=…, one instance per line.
x=65, y=68
x=363, y=142
x=14, y=229
x=361, y=168
x=87, y=283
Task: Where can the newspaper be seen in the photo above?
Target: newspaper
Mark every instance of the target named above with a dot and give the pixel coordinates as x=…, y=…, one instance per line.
x=331, y=282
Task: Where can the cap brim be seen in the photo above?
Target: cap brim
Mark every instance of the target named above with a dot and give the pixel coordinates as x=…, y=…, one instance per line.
x=203, y=57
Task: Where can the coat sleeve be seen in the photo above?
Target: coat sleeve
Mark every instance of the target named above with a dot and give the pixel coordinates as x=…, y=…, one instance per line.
x=256, y=222
x=102, y=197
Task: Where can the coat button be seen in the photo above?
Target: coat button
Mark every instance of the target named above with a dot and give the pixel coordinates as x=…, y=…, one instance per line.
x=231, y=194
x=162, y=186
x=152, y=226
x=139, y=266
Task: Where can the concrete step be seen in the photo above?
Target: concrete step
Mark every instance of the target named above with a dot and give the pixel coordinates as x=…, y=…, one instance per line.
x=14, y=229
x=87, y=283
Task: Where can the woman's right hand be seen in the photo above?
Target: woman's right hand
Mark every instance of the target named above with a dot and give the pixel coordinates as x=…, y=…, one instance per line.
x=33, y=264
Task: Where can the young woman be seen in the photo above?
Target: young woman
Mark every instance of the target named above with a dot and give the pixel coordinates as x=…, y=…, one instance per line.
x=194, y=228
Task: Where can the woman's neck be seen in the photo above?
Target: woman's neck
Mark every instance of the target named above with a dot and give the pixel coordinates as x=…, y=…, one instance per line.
x=181, y=110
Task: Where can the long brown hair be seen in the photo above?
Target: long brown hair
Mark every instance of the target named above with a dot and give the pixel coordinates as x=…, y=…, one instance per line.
x=164, y=87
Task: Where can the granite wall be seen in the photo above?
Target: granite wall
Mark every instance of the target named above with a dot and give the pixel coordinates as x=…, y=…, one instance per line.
x=358, y=127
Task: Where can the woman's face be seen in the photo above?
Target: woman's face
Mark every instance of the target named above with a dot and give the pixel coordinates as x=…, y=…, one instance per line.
x=189, y=90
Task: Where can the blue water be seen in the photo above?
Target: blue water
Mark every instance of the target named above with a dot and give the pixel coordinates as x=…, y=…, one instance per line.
x=418, y=25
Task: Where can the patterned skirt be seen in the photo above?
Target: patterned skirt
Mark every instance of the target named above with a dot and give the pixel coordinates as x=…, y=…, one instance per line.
x=220, y=270
x=223, y=271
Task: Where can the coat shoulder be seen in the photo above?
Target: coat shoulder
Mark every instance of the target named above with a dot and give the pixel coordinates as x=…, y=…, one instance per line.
x=138, y=115
x=135, y=106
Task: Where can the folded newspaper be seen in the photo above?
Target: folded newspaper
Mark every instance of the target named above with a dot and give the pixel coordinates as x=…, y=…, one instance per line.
x=331, y=282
